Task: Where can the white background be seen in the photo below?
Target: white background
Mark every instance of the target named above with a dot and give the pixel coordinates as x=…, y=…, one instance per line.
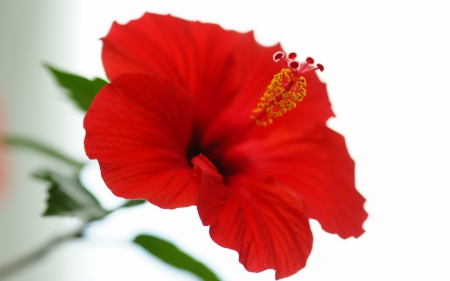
x=386, y=66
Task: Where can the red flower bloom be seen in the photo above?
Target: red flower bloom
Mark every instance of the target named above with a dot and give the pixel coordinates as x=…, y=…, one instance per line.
x=173, y=128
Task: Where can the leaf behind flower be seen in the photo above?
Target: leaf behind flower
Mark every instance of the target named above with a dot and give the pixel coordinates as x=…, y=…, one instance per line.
x=67, y=197
x=133, y=203
x=81, y=90
x=170, y=254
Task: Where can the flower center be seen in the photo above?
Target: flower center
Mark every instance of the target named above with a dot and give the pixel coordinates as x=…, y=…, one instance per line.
x=286, y=89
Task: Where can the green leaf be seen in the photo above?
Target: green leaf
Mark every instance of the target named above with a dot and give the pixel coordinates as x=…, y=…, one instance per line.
x=133, y=203
x=170, y=254
x=81, y=90
x=67, y=197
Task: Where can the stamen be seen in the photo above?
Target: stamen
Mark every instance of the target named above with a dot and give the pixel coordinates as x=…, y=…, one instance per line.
x=286, y=89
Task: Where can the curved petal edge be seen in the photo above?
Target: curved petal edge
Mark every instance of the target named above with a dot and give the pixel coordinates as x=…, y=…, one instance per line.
x=263, y=221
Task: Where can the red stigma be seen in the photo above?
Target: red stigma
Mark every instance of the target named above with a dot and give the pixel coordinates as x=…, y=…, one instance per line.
x=278, y=56
x=293, y=64
x=292, y=56
x=297, y=68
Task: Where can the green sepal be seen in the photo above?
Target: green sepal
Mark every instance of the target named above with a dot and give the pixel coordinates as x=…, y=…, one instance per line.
x=170, y=254
x=81, y=90
x=68, y=197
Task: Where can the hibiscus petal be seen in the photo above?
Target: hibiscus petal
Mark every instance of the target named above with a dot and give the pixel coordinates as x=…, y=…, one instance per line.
x=226, y=75
x=263, y=222
x=316, y=164
x=138, y=128
x=196, y=56
x=234, y=126
x=315, y=107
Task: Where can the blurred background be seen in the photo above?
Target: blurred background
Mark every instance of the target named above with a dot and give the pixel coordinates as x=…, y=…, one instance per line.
x=386, y=66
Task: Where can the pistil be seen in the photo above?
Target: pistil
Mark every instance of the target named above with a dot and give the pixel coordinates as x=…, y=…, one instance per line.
x=286, y=89
x=284, y=92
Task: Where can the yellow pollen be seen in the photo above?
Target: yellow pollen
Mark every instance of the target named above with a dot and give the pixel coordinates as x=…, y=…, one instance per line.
x=282, y=95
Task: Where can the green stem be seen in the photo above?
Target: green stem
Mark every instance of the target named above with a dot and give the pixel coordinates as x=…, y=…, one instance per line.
x=36, y=255
x=34, y=145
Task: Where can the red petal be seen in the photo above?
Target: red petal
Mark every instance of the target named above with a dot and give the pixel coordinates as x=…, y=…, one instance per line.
x=226, y=75
x=139, y=127
x=196, y=56
x=214, y=65
x=234, y=125
x=315, y=107
x=263, y=222
x=314, y=163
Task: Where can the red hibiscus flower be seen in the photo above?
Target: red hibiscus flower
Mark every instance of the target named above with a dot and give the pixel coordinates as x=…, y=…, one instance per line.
x=173, y=127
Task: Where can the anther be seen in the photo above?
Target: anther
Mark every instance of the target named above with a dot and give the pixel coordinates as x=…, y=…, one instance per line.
x=286, y=89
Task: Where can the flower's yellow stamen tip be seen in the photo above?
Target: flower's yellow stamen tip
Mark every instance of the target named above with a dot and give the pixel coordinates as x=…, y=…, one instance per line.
x=286, y=89
x=283, y=93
